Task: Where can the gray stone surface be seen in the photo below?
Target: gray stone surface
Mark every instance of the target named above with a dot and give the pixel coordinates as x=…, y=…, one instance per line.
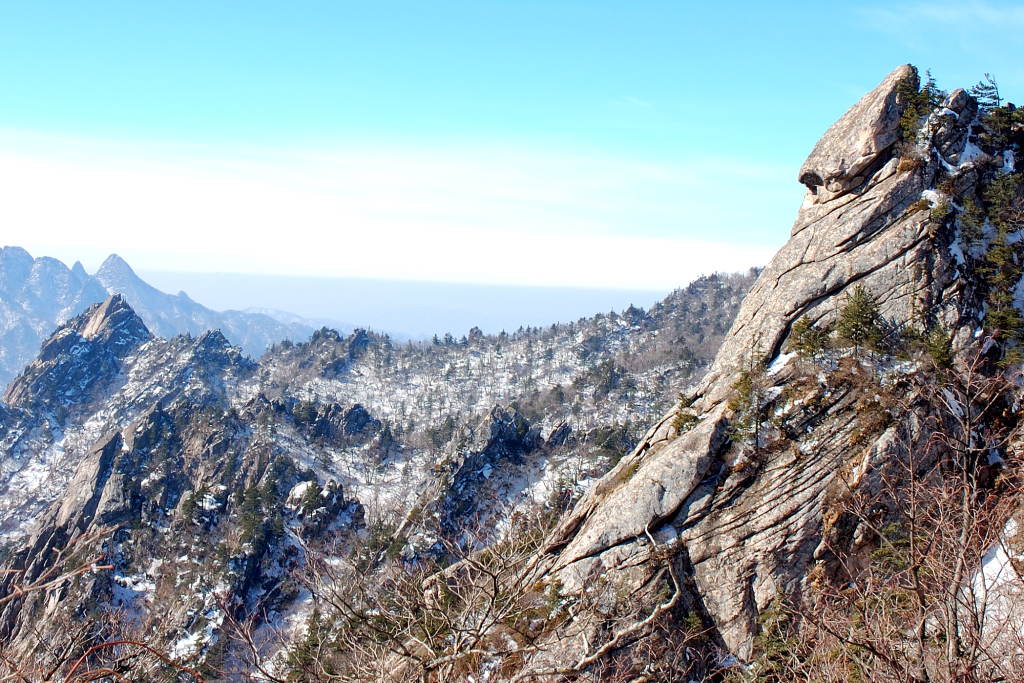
x=747, y=531
x=854, y=142
x=651, y=487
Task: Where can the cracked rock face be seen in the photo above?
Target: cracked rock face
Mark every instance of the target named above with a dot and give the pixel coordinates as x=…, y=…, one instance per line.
x=870, y=235
x=85, y=353
x=747, y=533
x=854, y=142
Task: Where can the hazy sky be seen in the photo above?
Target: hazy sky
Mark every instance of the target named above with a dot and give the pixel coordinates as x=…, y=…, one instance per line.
x=609, y=144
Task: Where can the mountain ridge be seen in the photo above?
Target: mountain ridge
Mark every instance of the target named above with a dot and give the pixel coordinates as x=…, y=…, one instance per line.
x=812, y=476
x=37, y=295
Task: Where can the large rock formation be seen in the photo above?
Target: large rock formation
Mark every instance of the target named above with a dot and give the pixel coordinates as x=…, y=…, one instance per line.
x=86, y=351
x=749, y=530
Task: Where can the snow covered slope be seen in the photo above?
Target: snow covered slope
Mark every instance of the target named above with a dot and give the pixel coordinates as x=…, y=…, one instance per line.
x=37, y=295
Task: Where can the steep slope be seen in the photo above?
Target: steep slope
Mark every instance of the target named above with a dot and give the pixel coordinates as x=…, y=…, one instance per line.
x=744, y=520
x=81, y=354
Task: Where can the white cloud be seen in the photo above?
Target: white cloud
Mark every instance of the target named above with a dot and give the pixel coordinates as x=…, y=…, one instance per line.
x=492, y=215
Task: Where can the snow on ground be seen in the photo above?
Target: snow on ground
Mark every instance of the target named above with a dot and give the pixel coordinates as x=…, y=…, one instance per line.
x=998, y=591
x=780, y=362
x=971, y=153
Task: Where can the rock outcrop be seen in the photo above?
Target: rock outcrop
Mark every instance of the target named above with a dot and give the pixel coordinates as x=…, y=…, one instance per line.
x=841, y=159
x=87, y=500
x=746, y=531
x=86, y=352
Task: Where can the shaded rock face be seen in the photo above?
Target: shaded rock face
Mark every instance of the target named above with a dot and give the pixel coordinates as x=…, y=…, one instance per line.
x=951, y=137
x=84, y=355
x=337, y=425
x=746, y=531
x=496, y=448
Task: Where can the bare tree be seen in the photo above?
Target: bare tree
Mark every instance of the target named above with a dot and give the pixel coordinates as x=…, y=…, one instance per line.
x=78, y=649
x=482, y=607
x=909, y=593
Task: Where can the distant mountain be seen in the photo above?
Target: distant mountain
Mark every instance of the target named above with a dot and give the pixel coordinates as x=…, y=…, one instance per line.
x=288, y=318
x=167, y=315
x=38, y=294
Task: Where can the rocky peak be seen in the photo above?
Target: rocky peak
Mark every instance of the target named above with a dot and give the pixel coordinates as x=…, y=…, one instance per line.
x=859, y=233
x=747, y=534
x=86, y=350
x=115, y=271
x=502, y=427
x=858, y=140
x=113, y=323
x=213, y=341
x=79, y=270
x=61, y=523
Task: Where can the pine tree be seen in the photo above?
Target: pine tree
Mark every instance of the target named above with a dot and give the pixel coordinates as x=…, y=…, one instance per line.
x=919, y=103
x=858, y=321
x=1003, y=266
x=777, y=645
x=684, y=420
x=312, y=499
x=939, y=345
x=934, y=96
x=1002, y=128
x=808, y=340
x=749, y=397
x=972, y=223
x=986, y=92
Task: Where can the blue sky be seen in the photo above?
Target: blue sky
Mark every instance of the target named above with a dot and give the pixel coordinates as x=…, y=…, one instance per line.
x=414, y=140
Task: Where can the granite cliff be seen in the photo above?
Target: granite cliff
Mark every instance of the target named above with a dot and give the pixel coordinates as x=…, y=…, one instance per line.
x=746, y=521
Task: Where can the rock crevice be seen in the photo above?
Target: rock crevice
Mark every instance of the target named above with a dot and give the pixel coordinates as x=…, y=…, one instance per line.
x=751, y=529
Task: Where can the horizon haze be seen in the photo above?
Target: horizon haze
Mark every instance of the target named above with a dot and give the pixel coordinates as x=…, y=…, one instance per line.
x=595, y=145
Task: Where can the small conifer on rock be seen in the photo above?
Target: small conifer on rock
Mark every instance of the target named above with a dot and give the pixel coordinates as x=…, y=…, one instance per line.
x=858, y=321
